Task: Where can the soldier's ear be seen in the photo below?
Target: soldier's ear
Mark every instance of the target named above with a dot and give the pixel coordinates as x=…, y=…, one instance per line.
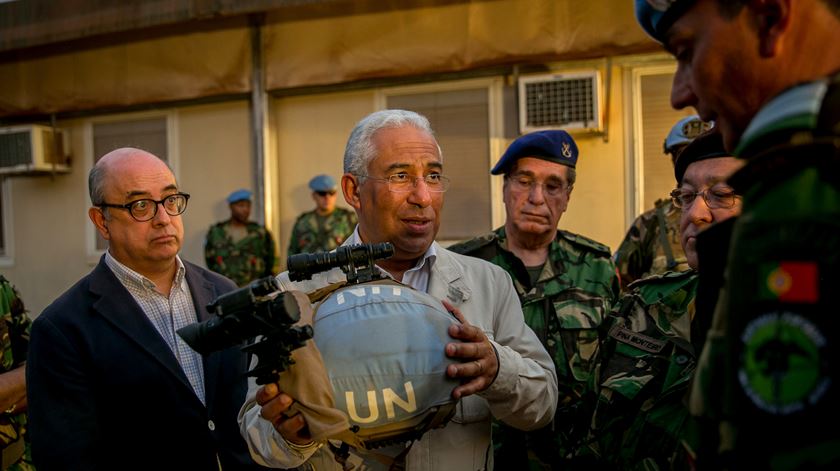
x=350, y=189
x=772, y=20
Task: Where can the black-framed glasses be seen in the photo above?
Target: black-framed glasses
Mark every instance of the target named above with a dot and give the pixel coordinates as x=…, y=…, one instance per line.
x=715, y=197
x=324, y=193
x=146, y=208
x=403, y=182
x=521, y=182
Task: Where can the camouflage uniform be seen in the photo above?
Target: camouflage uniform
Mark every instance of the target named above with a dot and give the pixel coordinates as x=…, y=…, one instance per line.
x=575, y=290
x=644, y=366
x=243, y=261
x=14, y=335
x=314, y=233
x=647, y=249
x=769, y=370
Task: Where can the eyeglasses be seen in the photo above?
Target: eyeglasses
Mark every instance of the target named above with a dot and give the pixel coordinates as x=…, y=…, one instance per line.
x=715, y=197
x=524, y=183
x=324, y=193
x=146, y=209
x=403, y=182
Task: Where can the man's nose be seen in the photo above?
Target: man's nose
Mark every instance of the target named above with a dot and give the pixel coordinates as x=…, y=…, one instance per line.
x=420, y=193
x=682, y=95
x=161, y=216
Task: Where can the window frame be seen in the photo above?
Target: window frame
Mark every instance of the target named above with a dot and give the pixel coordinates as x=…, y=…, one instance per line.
x=7, y=257
x=494, y=87
x=635, y=70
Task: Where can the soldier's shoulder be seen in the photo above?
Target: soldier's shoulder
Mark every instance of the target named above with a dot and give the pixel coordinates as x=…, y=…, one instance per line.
x=658, y=287
x=584, y=244
x=305, y=215
x=345, y=214
x=668, y=277
x=256, y=227
x=218, y=226
x=345, y=211
x=664, y=203
x=474, y=245
x=647, y=216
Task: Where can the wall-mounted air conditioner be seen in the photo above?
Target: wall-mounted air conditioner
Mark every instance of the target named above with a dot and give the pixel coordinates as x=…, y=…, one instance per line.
x=570, y=101
x=33, y=149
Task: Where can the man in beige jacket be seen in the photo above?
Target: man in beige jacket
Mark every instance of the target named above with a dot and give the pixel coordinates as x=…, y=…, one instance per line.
x=393, y=179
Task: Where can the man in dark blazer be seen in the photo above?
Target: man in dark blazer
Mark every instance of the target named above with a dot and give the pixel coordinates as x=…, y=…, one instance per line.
x=111, y=385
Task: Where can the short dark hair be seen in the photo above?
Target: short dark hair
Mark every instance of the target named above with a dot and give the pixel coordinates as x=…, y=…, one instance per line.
x=96, y=184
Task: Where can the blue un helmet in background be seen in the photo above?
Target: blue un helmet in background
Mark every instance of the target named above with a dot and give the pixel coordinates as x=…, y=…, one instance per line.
x=323, y=183
x=683, y=133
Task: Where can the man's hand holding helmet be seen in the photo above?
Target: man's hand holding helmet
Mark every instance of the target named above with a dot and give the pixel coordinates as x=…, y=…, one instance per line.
x=480, y=363
x=274, y=404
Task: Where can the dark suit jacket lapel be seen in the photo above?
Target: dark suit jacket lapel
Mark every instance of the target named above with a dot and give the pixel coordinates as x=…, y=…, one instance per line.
x=203, y=292
x=114, y=303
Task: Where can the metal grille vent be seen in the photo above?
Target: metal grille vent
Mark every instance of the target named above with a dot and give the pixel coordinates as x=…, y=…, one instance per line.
x=32, y=149
x=567, y=101
x=15, y=149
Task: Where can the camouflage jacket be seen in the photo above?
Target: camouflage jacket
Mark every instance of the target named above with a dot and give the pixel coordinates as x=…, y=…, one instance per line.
x=643, y=369
x=769, y=369
x=14, y=343
x=313, y=233
x=647, y=250
x=577, y=287
x=242, y=261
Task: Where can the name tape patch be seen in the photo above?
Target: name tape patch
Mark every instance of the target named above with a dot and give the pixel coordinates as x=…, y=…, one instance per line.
x=635, y=339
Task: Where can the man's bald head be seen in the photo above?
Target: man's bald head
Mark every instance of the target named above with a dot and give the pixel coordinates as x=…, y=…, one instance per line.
x=107, y=163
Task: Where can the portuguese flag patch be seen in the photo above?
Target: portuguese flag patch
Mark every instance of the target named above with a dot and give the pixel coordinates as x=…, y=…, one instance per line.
x=791, y=282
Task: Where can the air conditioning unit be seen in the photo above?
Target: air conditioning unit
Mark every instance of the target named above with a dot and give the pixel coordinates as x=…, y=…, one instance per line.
x=569, y=101
x=33, y=149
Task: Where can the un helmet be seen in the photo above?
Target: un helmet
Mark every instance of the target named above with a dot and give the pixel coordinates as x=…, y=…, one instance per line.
x=383, y=343
x=684, y=131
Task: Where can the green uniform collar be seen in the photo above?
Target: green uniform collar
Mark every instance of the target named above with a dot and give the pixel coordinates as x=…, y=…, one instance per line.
x=797, y=108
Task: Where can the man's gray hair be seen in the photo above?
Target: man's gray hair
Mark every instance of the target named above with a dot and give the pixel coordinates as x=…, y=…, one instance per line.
x=360, y=149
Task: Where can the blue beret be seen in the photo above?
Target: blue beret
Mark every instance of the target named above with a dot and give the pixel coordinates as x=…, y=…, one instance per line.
x=553, y=146
x=322, y=183
x=656, y=16
x=239, y=195
x=685, y=131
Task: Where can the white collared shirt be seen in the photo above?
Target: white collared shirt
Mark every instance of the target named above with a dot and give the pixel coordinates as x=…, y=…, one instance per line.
x=167, y=314
x=416, y=277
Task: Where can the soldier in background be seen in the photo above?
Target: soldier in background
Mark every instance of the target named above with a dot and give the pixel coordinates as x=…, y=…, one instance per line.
x=566, y=284
x=14, y=343
x=325, y=227
x=768, y=74
x=652, y=244
x=647, y=356
x=240, y=249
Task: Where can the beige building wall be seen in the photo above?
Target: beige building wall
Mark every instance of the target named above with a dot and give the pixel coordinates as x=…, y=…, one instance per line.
x=214, y=158
x=311, y=132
